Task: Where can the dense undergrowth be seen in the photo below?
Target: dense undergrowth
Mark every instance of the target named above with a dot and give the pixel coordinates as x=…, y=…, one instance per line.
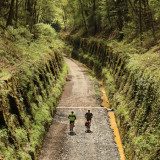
x=21, y=45
x=132, y=83
x=32, y=77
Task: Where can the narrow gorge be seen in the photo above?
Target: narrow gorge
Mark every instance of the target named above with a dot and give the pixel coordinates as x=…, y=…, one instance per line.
x=59, y=56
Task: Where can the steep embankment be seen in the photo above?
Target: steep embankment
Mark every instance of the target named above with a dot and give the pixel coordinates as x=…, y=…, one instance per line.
x=32, y=77
x=132, y=83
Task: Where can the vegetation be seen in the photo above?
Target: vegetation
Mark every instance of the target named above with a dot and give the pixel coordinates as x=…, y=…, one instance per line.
x=30, y=86
x=115, y=18
x=118, y=39
x=29, y=12
x=132, y=84
x=32, y=76
x=122, y=47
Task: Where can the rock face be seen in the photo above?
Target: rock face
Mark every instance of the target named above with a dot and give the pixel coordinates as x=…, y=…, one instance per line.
x=133, y=91
x=28, y=100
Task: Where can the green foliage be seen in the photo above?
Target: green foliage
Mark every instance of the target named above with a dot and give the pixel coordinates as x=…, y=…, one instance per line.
x=132, y=84
x=5, y=73
x=34, y=108
x=10, y=154
x=21, y=136
x=96, y=85
x=20, y=46
x=44, y=31
x=144, y=144
x=36, y=112
x=24, y=156
x=109, y=82
x=30, y=13
x=114, y=20
x=28, y=53
x=8, y=151
x=36, y=137
x=18, y=34
x=43, y=115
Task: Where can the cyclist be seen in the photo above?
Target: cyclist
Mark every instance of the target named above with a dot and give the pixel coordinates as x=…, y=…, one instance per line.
x=89, y=116
x=72, y=118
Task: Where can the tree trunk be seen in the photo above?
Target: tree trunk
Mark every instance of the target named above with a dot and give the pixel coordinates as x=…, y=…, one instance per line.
x=35, y=12
x=16, y=13
x=94, y=14
x=140, y=20
x=30, y=14
x=83, y=15
x=64, y=16
x=118, y=5
x=151, y=20
x=11, y=13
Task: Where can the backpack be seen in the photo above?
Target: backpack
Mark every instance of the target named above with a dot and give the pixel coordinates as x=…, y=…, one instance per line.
x=86, y=123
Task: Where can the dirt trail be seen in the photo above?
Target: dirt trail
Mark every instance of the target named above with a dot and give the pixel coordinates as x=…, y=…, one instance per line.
x=79, y=96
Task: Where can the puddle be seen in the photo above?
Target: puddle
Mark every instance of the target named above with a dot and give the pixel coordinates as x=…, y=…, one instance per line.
x=105, y=104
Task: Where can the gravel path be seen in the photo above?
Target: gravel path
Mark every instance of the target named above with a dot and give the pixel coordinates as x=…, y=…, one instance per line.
x=78, y=96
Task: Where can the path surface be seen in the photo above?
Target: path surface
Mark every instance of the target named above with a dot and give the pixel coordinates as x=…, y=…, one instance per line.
x=79, y=96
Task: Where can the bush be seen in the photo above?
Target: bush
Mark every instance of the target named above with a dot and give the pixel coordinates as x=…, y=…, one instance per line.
x=21, y=136
x=44, y=31
x=18, y=34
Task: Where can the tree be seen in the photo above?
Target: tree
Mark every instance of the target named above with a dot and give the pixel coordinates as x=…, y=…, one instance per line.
x=11, y=13
x=82, y=12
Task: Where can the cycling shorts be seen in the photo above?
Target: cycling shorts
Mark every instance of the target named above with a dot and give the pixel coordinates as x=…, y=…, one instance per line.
x=71, y=122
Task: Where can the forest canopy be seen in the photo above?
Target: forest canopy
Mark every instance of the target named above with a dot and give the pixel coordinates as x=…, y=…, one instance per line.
x=130, y=18
x=137, y=16
x=130, y=21
x=29, y=12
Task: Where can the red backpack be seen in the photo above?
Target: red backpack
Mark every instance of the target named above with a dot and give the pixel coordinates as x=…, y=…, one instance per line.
x=86, y=123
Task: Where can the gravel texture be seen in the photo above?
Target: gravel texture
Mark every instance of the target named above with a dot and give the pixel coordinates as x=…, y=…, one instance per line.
x=79, y=96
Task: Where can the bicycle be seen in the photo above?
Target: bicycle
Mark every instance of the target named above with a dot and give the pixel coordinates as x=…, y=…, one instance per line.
x=72, y=118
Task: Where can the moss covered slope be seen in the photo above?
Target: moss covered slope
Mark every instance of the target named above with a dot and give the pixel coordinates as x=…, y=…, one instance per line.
x=29, y=92
x=132, y=82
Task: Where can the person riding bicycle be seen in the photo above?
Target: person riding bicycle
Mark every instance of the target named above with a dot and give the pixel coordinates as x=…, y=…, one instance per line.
x=89, y=116
x=72, y=118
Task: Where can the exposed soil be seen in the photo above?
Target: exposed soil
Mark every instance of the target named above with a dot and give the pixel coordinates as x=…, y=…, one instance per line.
x=79, y=96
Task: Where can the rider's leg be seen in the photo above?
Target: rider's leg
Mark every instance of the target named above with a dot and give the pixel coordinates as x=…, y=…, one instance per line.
x=71, y=126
